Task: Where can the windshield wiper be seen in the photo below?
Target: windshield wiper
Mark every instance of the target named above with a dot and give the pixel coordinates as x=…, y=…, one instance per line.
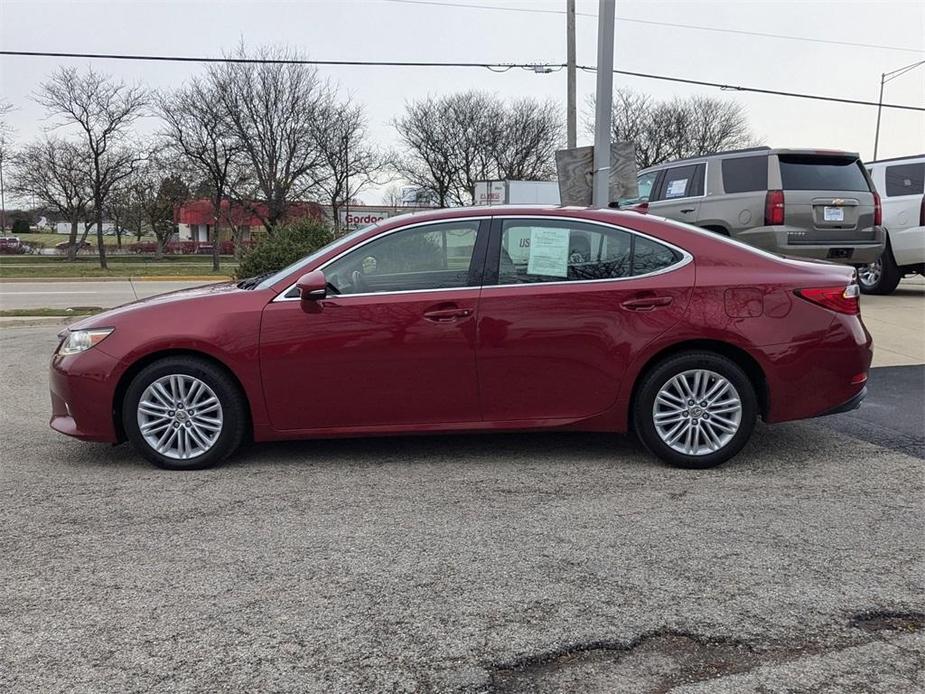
x=252, y=282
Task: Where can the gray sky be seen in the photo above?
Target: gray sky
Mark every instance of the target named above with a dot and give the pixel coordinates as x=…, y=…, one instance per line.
x=382, y=30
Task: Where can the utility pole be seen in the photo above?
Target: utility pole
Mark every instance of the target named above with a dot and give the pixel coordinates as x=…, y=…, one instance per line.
x=572, y=126
x=600, y=186
x=884, y=78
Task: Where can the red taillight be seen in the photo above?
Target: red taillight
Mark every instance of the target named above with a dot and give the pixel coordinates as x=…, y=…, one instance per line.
x=838, y=299
x=774, y=208
x=878, y=210
x=641, y=208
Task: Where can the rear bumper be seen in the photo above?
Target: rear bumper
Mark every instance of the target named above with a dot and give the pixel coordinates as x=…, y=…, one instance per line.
x=847, y=406
x=779, y=239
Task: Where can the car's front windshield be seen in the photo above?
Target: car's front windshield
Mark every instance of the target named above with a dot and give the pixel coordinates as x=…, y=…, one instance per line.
x=270, y=280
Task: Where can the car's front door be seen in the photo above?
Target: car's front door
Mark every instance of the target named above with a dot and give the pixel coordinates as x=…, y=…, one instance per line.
x=566, y=306
x=392, y=344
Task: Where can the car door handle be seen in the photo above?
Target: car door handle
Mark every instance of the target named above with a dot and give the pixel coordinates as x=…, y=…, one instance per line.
x=447, y=314
x=649, y=303
x=689, y=209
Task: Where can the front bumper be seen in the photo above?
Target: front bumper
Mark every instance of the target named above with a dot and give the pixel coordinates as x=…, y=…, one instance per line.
x=778, y=240
x=82, y=394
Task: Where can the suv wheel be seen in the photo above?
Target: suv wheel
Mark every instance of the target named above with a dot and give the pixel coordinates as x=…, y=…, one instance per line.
x=881, y=276
x=184, y=413
x=695, y=410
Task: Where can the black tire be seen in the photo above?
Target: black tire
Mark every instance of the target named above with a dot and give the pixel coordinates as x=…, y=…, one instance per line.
x=660, y=375
x=888, y=278
x=233, y=408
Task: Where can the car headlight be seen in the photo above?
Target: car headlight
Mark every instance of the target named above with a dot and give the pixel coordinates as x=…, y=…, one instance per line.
x=78, y=341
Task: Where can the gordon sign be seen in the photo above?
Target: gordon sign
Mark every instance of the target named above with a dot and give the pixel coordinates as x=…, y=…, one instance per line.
x=351, y=219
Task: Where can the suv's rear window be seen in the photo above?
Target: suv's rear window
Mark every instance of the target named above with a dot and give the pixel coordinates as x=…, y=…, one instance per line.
x=743, y=174
x=810, y=172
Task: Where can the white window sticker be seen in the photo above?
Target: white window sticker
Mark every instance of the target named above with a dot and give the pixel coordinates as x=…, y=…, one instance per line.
x=548, y=252
x=676, y=189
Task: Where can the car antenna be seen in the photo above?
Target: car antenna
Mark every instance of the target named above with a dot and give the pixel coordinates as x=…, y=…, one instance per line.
x=132, y=285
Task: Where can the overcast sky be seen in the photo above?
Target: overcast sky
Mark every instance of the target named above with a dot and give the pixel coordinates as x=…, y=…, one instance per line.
x=390, y=30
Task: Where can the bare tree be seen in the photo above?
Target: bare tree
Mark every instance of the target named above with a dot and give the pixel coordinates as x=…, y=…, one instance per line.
x=104, y=111
x=56, y=172
x=158, y=197
x=197, y=130
x=270, y=109
x=6, y=143
x=454, y=141
x=349, y=162
x=678, y=128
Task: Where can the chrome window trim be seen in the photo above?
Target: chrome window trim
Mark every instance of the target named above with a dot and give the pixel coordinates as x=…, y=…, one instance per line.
x=686, y=259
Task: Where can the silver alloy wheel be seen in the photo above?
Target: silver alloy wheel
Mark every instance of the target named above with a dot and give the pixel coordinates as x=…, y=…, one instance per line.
x=869, y=275
x=697, y=412
x=179, y=416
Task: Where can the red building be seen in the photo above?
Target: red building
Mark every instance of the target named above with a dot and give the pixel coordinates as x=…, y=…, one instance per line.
x=195, y=219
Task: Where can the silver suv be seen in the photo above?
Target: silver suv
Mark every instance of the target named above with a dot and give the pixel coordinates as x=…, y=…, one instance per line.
x=799, y=202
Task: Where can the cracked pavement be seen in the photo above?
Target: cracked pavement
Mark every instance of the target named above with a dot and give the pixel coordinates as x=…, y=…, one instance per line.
x=433, y=563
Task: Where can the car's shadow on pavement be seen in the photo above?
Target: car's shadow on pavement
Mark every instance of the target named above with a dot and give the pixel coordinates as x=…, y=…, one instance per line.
x=771, y=448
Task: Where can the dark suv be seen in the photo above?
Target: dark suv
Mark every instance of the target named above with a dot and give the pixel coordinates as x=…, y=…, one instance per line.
x=799, y=202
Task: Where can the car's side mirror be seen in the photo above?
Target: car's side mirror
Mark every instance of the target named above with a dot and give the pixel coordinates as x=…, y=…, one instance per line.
x=312, y=286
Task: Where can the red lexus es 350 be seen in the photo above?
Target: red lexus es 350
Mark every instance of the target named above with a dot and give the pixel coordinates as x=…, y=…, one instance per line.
x=477, y=319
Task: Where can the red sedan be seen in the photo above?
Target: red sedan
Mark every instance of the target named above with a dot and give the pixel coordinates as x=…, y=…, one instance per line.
x=492, y=319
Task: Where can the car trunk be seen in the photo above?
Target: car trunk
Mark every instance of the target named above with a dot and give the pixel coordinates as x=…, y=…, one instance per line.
x=828, y=198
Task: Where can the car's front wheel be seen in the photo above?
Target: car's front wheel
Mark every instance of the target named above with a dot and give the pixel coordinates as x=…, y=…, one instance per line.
x=184, y=413
x=695, y=410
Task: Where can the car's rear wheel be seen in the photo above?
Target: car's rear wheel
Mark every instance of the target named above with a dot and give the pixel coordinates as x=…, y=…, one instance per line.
x=695, y=410
x=880, y=277
x=184, y=413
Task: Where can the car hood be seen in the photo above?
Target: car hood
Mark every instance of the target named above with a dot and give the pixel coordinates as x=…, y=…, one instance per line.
x=109, y=317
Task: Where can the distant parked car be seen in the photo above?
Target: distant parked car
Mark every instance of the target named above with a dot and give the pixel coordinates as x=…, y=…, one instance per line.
x=797, y=202
x=11, y=245
x=901, y=184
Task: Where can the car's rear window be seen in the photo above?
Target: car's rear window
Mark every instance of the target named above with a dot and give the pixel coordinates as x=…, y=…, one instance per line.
x=812, y=172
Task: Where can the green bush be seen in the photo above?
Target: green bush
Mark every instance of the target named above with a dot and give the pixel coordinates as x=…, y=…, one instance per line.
x=284, y=246
x=20, y=226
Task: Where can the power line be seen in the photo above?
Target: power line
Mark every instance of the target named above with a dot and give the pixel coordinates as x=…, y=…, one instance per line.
x=495, y=67
x=695, y=27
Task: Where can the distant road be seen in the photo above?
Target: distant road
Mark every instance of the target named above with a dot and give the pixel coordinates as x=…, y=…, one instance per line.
x=83, y=293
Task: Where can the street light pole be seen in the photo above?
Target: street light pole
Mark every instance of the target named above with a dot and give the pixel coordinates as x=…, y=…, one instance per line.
x=884, y=78
x=879, y=111
x=600, y=190
x=571, y=114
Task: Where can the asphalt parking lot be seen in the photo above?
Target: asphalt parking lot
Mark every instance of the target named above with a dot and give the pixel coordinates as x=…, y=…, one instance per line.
x=518, y=563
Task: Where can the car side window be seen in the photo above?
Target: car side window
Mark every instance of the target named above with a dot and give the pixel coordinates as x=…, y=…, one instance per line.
x=435, y=256
x=651, y=256
x=537, y=250
x=682, y=182
x=745, y=174
x=645, y=183
x=905, y=179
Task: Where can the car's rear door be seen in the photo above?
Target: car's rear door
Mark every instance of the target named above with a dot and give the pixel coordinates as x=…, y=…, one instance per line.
x=566, y=306
x=393, y=343
x=828, y=199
